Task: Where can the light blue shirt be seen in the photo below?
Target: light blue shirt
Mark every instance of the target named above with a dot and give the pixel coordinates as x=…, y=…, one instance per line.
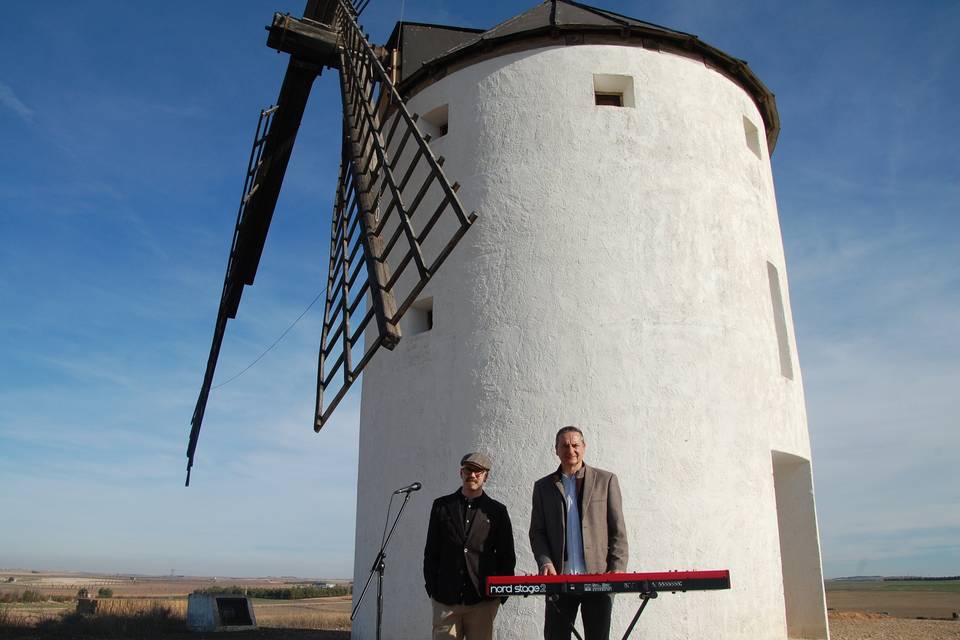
x=574, y=563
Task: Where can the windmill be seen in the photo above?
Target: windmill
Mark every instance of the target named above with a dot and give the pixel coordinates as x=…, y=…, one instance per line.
x=396, y=216
x=628, y=275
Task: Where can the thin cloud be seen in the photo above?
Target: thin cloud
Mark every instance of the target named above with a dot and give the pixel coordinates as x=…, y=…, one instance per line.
x=875, y=322
x=82, y=369
x=10, y=100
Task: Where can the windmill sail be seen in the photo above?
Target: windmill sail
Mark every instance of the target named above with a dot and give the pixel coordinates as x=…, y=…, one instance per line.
x=388, y=174
x=232, y=282
x=311, y=47
x=272, y=146
x=396, y=219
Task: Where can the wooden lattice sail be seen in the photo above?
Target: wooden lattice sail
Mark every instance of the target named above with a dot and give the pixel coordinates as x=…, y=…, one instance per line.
x=396, y=215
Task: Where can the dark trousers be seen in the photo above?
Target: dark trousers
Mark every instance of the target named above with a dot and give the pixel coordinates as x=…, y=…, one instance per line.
x=560, y=614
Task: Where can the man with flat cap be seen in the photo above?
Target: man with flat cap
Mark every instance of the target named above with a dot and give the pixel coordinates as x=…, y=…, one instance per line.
x=577, y=526
x=469, y=538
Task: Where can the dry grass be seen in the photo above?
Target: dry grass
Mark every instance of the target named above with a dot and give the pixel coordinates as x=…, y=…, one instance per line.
x=313, y=613
x=9, y=617
x=161, y=617
x=22, y=615
x=128, y=607
x=154, y=607
x=114, y=618
x=320, y=620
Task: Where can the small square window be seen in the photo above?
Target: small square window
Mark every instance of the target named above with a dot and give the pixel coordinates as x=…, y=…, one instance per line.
x=613, y=90
x=418, y=318
x=436, y=122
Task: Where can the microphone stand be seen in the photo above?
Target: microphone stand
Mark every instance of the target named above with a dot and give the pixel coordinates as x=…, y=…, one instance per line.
x=379, y=566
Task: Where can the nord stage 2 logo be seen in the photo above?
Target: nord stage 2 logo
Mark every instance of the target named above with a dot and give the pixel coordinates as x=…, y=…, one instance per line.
x=517, y=589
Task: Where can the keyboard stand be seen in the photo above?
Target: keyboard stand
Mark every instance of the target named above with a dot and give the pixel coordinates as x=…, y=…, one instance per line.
x=646, y=597
x=552, y=599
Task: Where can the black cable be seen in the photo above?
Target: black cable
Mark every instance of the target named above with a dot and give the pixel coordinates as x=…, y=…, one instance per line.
x=275, y=342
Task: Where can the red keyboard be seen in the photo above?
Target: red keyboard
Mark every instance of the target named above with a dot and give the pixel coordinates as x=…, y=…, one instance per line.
x=651, y=583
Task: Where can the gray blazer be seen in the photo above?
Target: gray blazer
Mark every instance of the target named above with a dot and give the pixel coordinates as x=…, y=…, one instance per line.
x=601, y=521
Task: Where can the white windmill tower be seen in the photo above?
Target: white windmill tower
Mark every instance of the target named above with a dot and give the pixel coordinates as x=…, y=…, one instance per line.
x=626, y=274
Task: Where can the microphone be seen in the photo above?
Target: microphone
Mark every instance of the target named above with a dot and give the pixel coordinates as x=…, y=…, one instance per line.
x=410, y=487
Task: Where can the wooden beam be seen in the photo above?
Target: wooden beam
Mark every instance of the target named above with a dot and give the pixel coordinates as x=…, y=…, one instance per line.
x=276, y=154
x=321, y=10
x=361, y=163
x=306, y=40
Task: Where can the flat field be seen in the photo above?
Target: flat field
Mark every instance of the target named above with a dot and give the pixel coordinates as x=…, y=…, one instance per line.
x=893, y=610
x=898, y=599
x=67, y=584
x=155, y=607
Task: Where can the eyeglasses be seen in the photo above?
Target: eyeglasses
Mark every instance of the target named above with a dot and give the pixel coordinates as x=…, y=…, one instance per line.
x=473, y=472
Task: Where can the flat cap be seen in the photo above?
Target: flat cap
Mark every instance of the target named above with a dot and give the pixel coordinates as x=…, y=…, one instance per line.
x=477, y=459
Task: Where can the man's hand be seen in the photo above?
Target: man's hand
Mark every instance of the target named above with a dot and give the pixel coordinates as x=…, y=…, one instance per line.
x=548, y=570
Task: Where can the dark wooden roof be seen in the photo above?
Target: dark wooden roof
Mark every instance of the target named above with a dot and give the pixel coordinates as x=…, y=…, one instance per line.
x=420, y=42
x=428, y=51
x=561, y=13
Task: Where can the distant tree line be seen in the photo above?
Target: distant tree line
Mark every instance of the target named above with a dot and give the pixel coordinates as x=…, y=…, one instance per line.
x=920, y=578
x=280, y=593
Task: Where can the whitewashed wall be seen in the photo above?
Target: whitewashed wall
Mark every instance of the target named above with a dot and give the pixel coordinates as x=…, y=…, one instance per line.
x=617, y=279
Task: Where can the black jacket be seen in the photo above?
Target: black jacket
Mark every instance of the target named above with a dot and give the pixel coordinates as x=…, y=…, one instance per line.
x=456, y=562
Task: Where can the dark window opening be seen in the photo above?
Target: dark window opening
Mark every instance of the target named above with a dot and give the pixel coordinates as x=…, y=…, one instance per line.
x=611, y=90
x=608, y=99
x=234, y=612
x=418, y=318
x=436, y=123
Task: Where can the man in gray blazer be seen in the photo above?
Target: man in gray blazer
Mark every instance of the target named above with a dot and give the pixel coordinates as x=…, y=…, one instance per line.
x=577, y=527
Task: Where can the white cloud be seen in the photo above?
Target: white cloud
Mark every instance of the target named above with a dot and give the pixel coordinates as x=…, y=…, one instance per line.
x=876, y=312
x=10, y=100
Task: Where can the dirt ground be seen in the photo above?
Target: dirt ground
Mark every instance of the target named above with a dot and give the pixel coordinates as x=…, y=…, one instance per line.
x=883, y=612
x=863, y=626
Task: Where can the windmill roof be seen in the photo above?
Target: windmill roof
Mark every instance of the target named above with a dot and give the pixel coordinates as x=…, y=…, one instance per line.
x=559, y=13
x=429, y=51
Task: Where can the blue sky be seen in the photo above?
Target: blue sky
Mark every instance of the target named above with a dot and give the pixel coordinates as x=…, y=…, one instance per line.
x=125, y=129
